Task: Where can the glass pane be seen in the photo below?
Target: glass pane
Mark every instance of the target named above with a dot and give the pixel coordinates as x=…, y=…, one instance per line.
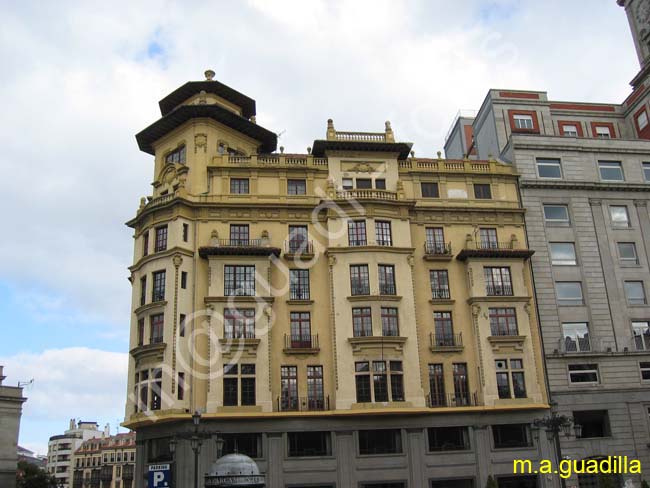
x=563, y=253
x=557, y=213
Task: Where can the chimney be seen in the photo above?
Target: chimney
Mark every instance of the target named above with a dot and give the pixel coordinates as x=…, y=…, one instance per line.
x=2, y=376
x=107, y=430
x=72, y=424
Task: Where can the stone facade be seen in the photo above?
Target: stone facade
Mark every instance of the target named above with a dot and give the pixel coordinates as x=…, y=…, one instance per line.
x=106, y=462
x=11, y=403
x=61, y=449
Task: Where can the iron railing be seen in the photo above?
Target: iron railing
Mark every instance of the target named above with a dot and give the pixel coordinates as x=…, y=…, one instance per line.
x=302, y=404
x=437, y=248
x=446, y=340
x=301, y=341
x=440, y=293
x=299, y=292
x=239, y=242
x=498, y=290
x=466, y=399
x=299, y=246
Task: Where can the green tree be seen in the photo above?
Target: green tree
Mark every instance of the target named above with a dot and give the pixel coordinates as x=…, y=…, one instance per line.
x=491, y=483
x=31, y=476
x=644, y=484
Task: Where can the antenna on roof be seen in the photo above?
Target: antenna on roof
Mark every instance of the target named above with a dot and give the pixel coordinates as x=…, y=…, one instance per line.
x=23, y=384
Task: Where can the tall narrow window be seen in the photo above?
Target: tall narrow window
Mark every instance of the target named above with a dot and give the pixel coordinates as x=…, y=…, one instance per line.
x=158, y=291
x=437, y=397
x=300, y=330
x=498, y=281
x=289, y=388
x=357, y=233
x=156, y=389
x=389, y=321
x=362, y=381
x=444, y=329
x=396, y=381
x=435, y=241
x=239, y=235
x=140, y=332
x=299, y=284
x=503, y=322
x=361, y=321
x=383, y=233
x=439, y=284
x=298, y=239
x=380, y=381
x=183, y=279
x=143, y=290
x=161, y=239
x=181, y=386
x=186, y=232
x=510, y=378
x=488, y=238
x=239, y=323
x=239, y=280
x=230, y=385
x=181, y=325
x=461, y=384
x=387, y=279
x=315, y=391
x=359, y=279
x=247, y=384
x=145, y=243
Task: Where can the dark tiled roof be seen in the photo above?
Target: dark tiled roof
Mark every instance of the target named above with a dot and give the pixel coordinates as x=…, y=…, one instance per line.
x=192, y=88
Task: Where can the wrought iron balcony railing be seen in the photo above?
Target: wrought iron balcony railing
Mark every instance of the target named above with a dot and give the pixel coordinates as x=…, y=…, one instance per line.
x=301, y=341
x=446, y=340
x=299, y=246
x=465, y=399
x=303, y=404
x=498, y=290
x=440, y=294
x=437, y=249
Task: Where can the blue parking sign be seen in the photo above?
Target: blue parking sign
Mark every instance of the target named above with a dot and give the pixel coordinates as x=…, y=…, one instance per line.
x=159, y=476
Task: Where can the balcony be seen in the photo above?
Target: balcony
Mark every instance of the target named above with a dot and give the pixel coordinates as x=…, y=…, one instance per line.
x=493, y=249
x=366, y=194
x=437, y=251
x=301, y=344
x=446, y=342
x=302, y=404
x=239, y=247
x=584, y=346
x=440, y=294
x=299, y=293
x=452, y=400
x=153, y=351
x=106, y=473
x=300, y=249
x=373, y=344
x=127, y=472
x=387, y=289
x=498, y=290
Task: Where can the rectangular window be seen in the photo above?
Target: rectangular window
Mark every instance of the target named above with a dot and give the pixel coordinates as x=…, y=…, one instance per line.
x=161, y=239
x=180, y=391
x=595, y=423
x=576, y=336
x=186, y=232
x=644, y=367
x=619, y=216
x=145, y=243
x=362, y=381
x=635, y=292
x=361, y=322
x=389, y=321
x=642, y=120
x=239, y=235
x=603, y=132
x=482, y=191
x=570, y=130
x=489, y=239
x=157, y=325
x=239, y=323
x=248, y=384
x=383, y=233
x=183, y=280
x=239, y=186
x=387, y=279
x=156, y=389
x=583, y=373
x=364, y=183
x=299, y=284
x=289, y=388
x=176, y=156
x=143, y=290
x=158, y=291
x=315, y=390
x=248, y=444
x=386, y=441
x=627, y=252
x=140, y=332
x=357, y=233
x=239, y=280
x=380, y=184
x=181, y=325
x=510, y=372
x=556, y=214
x=359, y=279
x=309, y=444
x=569, y=293
x=523, y=121
x=435, y=241
x=448, y=438
x=498, y=281
x=347, y=184
x=437, y=396
x=444, y=329
x=563, y=254
x=429, y=190
x=439, y=284
x=461, y=384
x=641, y=333
x=230, y=385
x=507, y=436
x=503, y=322
x=646, y=171
x=610, y=170
x=299, y=239
x=380, y=381
x=300, y=323
x=396, y=381
x=296, y=187
x=549, y=168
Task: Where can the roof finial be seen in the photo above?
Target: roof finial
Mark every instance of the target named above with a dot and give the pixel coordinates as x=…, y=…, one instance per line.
x=281, y=149
x=209, y=74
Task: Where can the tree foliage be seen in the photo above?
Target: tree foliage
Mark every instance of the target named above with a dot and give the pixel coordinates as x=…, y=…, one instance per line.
x=29, y=475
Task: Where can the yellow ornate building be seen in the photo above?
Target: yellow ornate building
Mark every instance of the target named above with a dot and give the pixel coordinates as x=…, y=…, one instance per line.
x=346, y=317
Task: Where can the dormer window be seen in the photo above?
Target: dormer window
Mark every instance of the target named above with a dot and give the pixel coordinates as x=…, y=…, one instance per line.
x=603, y=132
x=177, y=156
x=523, y=121
x=570, y=131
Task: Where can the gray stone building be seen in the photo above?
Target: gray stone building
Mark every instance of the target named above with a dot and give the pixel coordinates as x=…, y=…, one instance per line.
x=11, y=404
x=585, y=183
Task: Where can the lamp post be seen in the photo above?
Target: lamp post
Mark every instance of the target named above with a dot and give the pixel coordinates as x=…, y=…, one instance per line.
x=196, y=439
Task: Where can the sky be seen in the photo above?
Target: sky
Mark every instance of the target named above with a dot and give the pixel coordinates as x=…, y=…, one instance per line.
x=81, y=78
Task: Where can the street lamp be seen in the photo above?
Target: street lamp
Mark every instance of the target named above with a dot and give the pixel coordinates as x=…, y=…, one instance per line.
x=553, y=425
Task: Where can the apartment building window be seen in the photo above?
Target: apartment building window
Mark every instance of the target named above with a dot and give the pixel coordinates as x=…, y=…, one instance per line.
x=176, y=156
x=161, y=239
x=488, y=238
x=239, y=235
x=157, y=323
x=508, y=436
x=183, y=280
x=569, y=293
x=635, y=292
x=437, y=396
x=300, y=323
x=299, y=284
x=383, y=233
x=482, y=191
x=309, y=444
x=239, y=280
x=145, y=243
x=595, y=423
x=646, y=171
x=523, y=121
x=498, y=281
x=384, y=441
x=556, y=214
x=289, y=387
x=158, y=291
x=461, y=384
x=644, y=367
x=610, y=170
x=448, y=438
x=296, y=187
x=619, y=216
x=239, y=186
x=380, y=184
x=359, y=279
x=186, y=232
x=503, y=322
x=180, y=391
x=143, y=290
x=357, y=233
x=435, y=240
x=570, y=130
x=361, y=321
x=563, y=254
x=347, y=184
x=140, y=332
x=510, y=372
x=230, y=385
x=315, y=390
x=156, y=389
x=362, y=381
x=239, y=323
x=236, y=377
x=429, y=189
x=439, y=284
x=583, y=373
x=364, y=183
x=181, y=325
x=642, y=120
x=298, y=239
x=387, y=279
x=389, y=322
x=627, y=252
x=576, y=336
x=549, y=168
x=641, y=333
x=603, y=132
x=387, y=381
x=248, y=444
x=444, y=328
x=396, y=376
